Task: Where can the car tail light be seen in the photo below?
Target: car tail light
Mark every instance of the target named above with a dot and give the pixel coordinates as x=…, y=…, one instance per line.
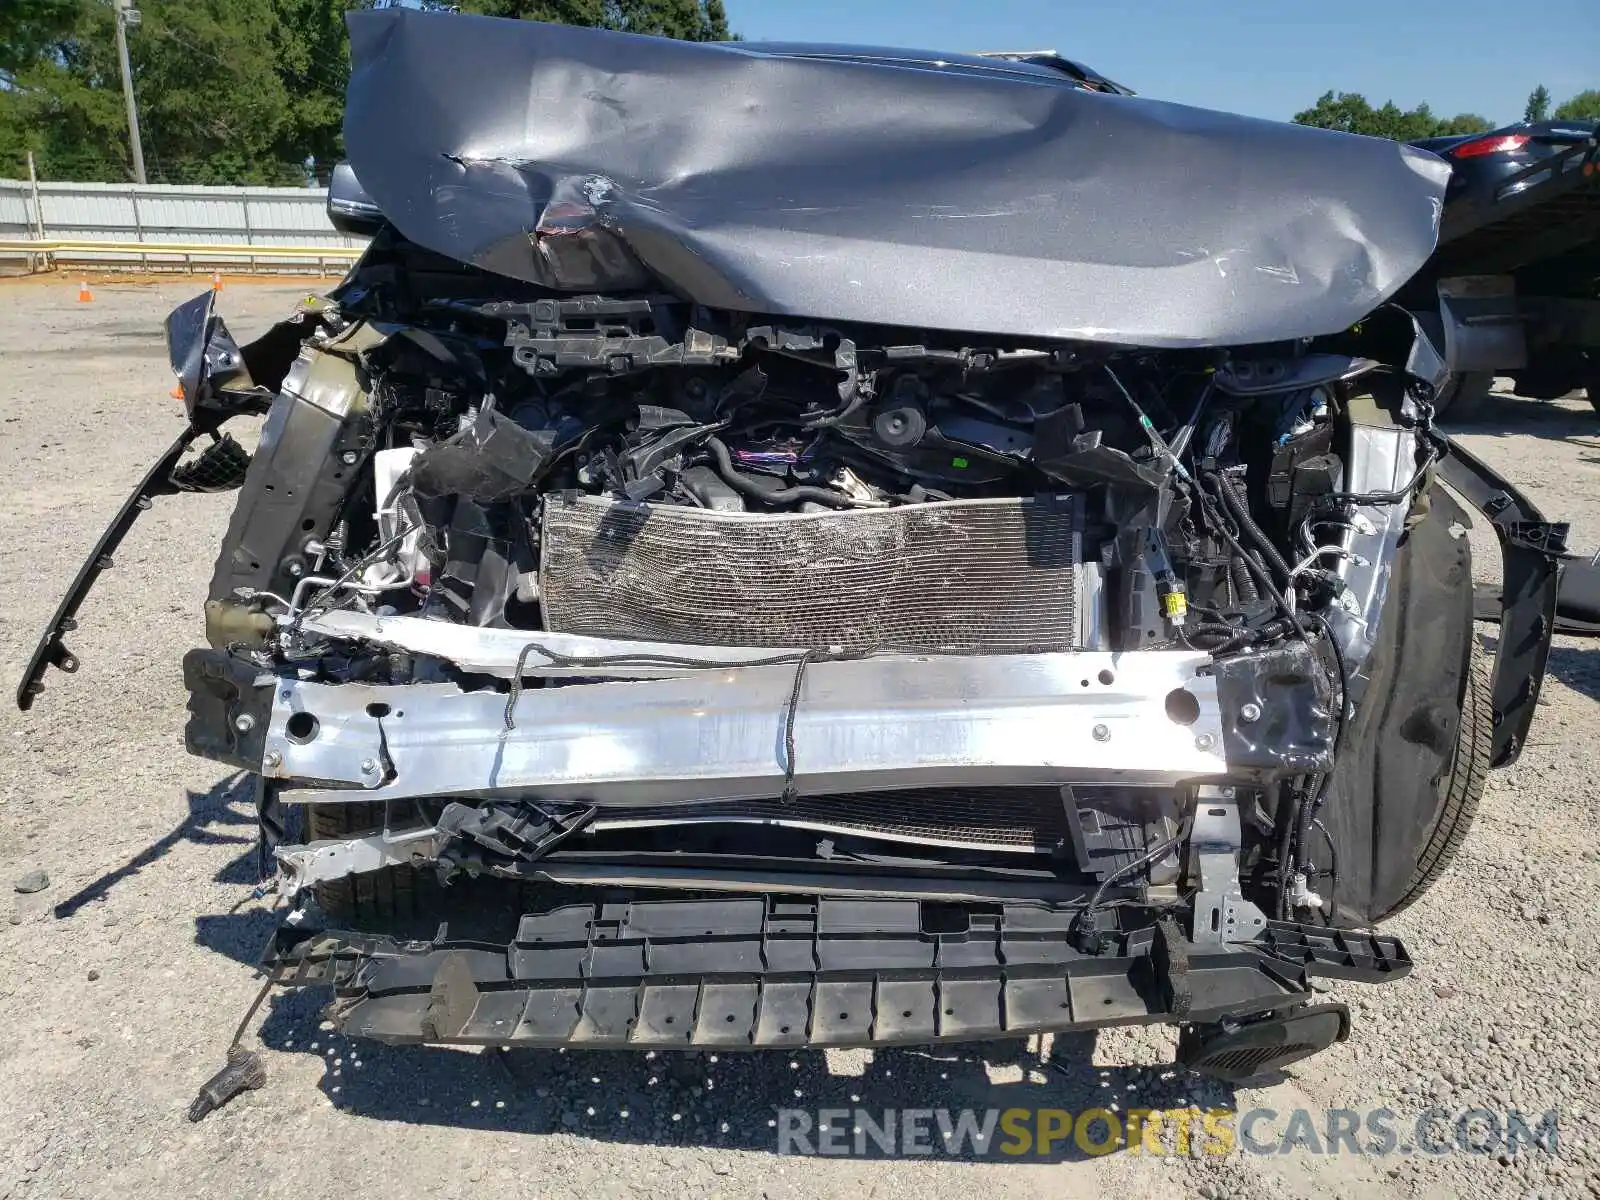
x=1494, y=144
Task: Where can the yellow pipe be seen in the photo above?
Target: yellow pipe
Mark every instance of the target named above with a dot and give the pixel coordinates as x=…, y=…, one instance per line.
x=193, y=249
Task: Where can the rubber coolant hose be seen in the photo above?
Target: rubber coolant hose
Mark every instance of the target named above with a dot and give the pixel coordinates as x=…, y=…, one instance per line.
x=789, y=495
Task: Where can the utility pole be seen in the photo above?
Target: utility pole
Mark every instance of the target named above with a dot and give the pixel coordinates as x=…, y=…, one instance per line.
x=125, y=15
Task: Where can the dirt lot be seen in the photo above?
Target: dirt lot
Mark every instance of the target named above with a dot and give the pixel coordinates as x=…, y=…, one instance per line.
x=121, y=981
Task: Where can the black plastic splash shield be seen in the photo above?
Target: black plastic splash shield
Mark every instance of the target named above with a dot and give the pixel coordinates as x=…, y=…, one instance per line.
x=1531, y=550
x=887, y=187
x=764, y=972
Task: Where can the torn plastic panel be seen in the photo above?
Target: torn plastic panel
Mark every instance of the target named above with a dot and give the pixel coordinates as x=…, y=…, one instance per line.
x=769, y=181
x=491, y=459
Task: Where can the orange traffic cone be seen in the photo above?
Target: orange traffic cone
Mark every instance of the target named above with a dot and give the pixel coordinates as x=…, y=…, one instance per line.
x=216, y=281
x=85, y=296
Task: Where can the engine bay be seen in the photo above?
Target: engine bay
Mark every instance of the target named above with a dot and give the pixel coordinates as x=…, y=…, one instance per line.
x=538, y=527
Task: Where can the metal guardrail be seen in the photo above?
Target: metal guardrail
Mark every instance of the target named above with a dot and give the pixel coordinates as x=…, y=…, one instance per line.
x=178, y=255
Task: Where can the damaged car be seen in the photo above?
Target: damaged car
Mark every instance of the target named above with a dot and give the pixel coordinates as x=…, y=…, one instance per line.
x=794, y=547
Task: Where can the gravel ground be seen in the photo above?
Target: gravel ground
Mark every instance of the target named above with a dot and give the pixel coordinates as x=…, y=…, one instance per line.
x=121, y=980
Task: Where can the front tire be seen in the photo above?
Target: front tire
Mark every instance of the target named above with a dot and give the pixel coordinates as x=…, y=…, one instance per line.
x=1465, y=397
x=1461, y=787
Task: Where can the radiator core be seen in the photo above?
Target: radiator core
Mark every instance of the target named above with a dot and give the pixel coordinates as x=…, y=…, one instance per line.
x=997, y=576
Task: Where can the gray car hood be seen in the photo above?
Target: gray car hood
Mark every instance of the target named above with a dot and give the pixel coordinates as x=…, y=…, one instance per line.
x=878, y=191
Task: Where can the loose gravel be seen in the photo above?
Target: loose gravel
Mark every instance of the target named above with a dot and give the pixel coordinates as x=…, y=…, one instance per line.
x=122, y=975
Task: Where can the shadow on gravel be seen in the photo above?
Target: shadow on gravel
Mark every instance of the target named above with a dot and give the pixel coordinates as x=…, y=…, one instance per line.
x=1579, y=669
x=703, y=1100
x=227, y=803
x=1511, y=416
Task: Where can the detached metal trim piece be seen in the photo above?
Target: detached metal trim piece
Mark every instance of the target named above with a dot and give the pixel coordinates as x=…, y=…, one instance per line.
x=719, y=734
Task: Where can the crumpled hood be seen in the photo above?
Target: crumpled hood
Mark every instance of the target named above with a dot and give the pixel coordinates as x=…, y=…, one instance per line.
x=587, y=160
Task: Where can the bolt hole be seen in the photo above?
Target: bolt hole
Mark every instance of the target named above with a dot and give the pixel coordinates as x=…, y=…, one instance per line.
x=729, y=1018
x=1107, y=678
x=783, y=1029
x=301, y=728
x=844, y=1016
x=1107, y=1000
x=1182, y=707
x=907, y=1013
x=1083, y=683
x=670, y=1020
x=377, y=709
x=308, y=524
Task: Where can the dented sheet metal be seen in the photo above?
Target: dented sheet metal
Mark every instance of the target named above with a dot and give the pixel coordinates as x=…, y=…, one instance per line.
x=879, y=190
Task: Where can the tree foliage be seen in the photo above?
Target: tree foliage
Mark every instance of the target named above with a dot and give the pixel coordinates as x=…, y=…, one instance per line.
x=1585, y=106
x=687, y=20
x=1350, y=112
x=229, y=91
x=211, y=105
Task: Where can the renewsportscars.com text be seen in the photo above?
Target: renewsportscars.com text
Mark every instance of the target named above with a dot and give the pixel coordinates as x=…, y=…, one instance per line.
x=1059, y=1132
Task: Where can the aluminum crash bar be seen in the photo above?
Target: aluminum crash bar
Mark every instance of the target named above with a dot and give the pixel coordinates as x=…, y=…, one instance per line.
x=726, y=733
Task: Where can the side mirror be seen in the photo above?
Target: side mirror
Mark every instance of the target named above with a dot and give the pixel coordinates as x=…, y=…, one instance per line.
x=350, y=209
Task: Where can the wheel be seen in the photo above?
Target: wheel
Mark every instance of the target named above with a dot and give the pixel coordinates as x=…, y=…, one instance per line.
x=1465, y=397
x=373, y=895
x=1553, y=373
x=1462, y=785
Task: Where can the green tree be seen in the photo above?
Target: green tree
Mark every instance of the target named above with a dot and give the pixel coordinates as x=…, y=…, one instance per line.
x=212, y=107
x=1538, y=106
x=312, y=54
x=1464, y=123
x=1585, y=106
x=29, y=28
x=686, y=20
x=1351, y=112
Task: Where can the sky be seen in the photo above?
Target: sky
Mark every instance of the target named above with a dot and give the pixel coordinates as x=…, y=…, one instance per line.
x=1258, y=57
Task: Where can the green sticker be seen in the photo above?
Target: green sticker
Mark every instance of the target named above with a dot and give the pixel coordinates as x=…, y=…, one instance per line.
x=959, y=462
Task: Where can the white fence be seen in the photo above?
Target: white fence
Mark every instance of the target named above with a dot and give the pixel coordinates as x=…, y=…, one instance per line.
x=159, y=226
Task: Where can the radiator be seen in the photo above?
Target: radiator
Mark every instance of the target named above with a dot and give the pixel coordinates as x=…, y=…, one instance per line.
x=997, y=576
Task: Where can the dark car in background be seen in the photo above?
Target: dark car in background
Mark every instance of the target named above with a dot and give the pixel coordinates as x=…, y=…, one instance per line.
x=1492, y=166
x=1517, y=271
